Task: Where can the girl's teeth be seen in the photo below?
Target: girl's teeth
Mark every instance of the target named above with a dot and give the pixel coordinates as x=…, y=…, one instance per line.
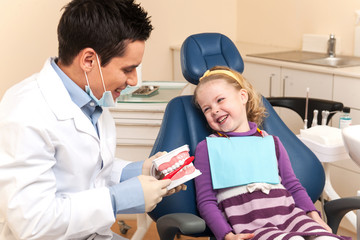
x=221, y=120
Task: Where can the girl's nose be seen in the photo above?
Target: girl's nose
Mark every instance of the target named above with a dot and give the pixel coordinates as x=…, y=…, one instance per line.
x=215, y=111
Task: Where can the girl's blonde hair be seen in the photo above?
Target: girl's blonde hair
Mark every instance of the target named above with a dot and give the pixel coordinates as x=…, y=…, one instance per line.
x=255, y=109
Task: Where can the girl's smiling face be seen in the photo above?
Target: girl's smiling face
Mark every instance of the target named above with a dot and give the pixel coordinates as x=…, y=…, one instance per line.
x=223, y=106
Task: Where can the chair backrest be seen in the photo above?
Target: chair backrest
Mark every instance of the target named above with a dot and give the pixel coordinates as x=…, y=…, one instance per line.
x=200, y=52
x=183, y=123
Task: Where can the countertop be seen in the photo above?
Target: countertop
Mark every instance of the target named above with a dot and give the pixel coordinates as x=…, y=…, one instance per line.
x=250, y=48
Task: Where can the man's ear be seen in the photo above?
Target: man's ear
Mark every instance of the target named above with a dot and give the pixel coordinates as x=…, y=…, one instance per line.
x=87, y=59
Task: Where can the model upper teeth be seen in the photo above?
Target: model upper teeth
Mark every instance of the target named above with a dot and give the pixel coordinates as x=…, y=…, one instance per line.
x=173, y=167
x=170, y=169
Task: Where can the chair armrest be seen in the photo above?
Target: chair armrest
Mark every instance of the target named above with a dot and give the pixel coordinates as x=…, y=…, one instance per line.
x=336, y=209
x=186, y=223
x=297, y=104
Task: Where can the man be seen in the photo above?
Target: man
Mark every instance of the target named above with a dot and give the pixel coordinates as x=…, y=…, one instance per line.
x=58, y=177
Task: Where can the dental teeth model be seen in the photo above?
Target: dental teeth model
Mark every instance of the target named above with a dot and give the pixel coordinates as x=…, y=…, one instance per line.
x=171, y=162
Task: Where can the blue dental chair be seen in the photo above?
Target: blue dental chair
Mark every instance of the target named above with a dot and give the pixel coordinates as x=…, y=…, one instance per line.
x=183, y=123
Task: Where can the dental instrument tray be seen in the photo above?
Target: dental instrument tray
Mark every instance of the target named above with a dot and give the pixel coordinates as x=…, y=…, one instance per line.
x=146, y=91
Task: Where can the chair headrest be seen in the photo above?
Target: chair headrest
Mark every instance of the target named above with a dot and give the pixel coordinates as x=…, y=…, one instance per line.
x=200, y=52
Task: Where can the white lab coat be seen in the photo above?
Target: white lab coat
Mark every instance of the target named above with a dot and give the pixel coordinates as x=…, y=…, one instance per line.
x=52, y=185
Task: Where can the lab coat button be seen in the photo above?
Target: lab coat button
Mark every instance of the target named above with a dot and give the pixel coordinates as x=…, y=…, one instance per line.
x=92, y=104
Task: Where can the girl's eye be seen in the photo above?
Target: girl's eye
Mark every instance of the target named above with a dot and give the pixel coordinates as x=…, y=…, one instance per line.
x=220, y=99
x=205, y=110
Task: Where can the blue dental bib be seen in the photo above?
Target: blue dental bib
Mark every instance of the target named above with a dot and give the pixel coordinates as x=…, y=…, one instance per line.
x=237, y=161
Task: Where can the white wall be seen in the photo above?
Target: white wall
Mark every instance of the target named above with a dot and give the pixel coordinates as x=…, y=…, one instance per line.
x=28, y=37
x=28, y=33
x=283, y=22
x=174, y=20
x=28, y=28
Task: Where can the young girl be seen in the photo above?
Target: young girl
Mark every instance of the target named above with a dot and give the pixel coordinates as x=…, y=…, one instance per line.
x=247, y=188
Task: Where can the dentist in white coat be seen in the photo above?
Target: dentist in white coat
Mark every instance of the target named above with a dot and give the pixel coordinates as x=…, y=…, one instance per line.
x=58, y=177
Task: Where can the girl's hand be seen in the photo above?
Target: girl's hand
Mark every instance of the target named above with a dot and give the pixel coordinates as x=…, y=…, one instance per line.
x=315, y=215
x=241, y=236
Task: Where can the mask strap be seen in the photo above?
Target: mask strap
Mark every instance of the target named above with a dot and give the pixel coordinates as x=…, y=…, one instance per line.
x=102, y=79
x=87, y=80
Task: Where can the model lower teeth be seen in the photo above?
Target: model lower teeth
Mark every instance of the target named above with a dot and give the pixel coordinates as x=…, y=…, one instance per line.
x=170, y=169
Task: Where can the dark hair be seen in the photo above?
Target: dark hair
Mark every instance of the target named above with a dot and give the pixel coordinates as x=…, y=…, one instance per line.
x=107, y=26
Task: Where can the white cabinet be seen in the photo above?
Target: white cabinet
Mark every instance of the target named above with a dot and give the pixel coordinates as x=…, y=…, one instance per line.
x=295, y=83
x=347, y=91
x=276, y=81
x=137, y=126
x=264, y=78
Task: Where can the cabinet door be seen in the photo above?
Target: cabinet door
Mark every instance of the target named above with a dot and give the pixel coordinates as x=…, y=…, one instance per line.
x=346, y=90
x=264, y=78
x=137, y=125
x=296, y=82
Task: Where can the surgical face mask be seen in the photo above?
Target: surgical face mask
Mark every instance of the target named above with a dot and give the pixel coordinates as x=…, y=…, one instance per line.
x=107, y=99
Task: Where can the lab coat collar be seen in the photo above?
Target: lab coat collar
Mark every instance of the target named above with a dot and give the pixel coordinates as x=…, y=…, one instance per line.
x=60, y=101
